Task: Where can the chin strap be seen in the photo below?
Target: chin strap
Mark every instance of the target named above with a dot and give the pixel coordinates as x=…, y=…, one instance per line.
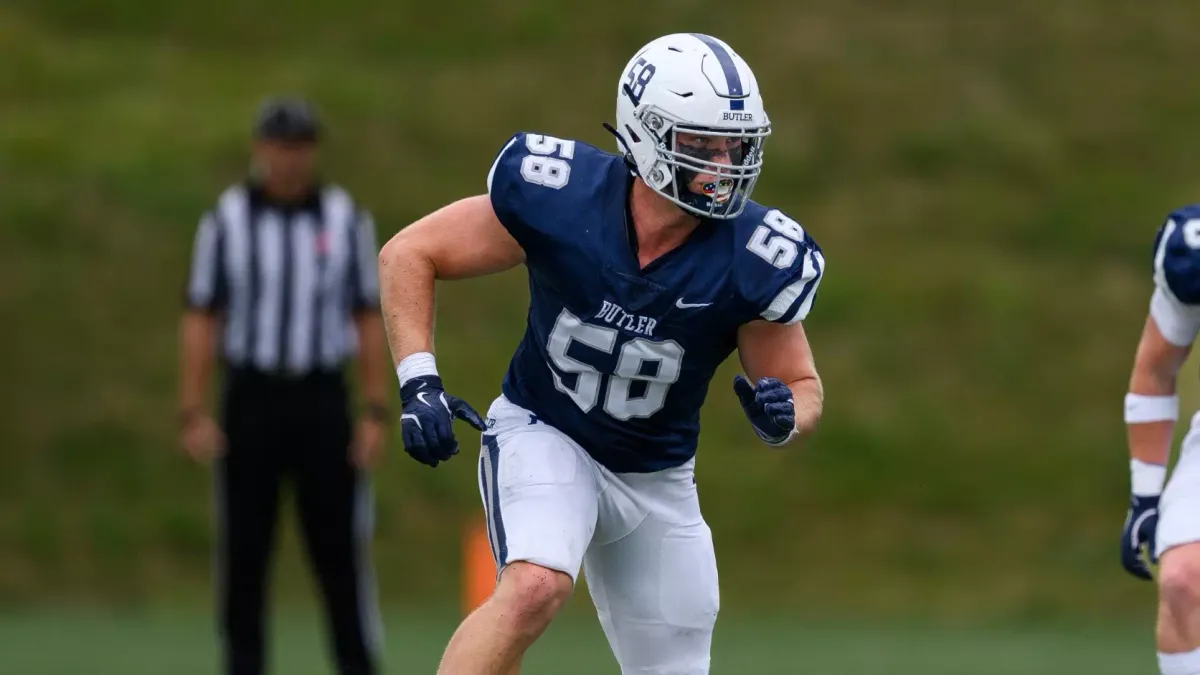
x=628, y=156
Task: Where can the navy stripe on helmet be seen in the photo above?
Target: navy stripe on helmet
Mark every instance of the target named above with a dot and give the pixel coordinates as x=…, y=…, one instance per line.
x=732, y=79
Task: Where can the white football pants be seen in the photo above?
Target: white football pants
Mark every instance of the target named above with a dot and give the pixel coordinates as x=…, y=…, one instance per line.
x=1179, y=508
x=646, y=551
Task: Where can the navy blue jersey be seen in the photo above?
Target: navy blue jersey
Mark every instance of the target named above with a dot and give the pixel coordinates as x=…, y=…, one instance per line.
x=1177, y=255
x=617, y=357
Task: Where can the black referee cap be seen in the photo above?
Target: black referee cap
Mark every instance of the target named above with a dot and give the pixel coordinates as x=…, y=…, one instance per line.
x=287, y=119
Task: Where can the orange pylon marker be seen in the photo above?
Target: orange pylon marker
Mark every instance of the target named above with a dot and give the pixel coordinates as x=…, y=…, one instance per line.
x=479, y=569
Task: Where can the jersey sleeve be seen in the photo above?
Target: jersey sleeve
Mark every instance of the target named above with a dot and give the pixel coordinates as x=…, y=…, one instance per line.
x=1175, y=303
x=513, y=199
x=782, y=272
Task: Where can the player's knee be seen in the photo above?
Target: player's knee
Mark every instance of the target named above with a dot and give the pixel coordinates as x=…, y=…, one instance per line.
x=1179, y=579
x=533, y=594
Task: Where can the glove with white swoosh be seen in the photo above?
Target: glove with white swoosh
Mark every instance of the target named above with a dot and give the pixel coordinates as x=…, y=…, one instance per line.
x=1137, y=537
x=427, y=422
x=769, y=407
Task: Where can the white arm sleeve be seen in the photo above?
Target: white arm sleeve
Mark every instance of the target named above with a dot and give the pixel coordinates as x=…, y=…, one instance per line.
x=1178, y=323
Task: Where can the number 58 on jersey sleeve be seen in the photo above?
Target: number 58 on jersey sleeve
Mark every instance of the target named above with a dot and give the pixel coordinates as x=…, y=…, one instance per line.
x=780, y=278
x=527, y=179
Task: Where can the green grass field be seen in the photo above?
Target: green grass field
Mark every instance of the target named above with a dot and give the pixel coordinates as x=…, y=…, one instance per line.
x=153, y=643
x=985, y=179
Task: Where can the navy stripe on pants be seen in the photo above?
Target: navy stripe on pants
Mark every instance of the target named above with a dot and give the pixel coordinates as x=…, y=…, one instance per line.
x=489, y=473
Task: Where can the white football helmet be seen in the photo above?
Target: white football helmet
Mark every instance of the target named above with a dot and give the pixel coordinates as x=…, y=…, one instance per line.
x=693, y=84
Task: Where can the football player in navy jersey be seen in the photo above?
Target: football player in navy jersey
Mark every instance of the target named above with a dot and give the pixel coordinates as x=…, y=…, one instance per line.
x=647, y=269
x=1164, y=525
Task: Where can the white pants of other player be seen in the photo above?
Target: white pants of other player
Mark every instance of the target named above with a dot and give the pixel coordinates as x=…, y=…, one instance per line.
x=1179, y=509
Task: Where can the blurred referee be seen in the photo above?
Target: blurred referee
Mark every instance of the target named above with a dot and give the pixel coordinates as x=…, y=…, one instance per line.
x=283, y=289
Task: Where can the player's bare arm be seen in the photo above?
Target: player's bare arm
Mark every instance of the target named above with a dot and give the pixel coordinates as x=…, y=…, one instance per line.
x=1151, y=404
x=1151, y=408
x=780, y=351
x=458, y=241
x=1155, y=367
x=461, y=240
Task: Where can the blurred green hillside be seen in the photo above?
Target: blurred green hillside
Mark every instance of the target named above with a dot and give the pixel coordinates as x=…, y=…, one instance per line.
x=984, y=178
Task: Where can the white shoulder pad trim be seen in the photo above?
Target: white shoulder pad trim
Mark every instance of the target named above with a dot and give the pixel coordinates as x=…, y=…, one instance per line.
x=814, y=266
x=1160, y=277
x=499, y=156
x=1178, y=323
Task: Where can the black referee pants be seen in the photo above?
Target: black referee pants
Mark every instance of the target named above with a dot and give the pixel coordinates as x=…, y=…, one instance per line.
x=296, y=430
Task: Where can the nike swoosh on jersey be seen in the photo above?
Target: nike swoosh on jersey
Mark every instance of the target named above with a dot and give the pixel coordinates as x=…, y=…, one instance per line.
x=690, y=305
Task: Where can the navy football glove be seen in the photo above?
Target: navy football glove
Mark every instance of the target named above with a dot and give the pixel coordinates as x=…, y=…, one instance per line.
x=426, y=425
x=768, y=406
x=1141, y=522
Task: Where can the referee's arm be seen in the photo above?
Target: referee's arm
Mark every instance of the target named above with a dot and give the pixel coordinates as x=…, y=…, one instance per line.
x=204, y=302
x=368, y=322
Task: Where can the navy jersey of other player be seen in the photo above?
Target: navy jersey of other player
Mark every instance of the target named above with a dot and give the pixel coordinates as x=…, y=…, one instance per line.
x=1177, y=254
x=618, y=357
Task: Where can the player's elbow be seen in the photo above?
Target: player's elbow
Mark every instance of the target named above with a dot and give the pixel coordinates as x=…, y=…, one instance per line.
x=391, y=251
x=1157, y=362
x=396, y=248
x=1155, y=369
x=402, y=253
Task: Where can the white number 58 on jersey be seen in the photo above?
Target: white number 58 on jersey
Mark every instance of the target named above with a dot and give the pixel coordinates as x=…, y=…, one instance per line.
x=776, y=240
x=542, y=167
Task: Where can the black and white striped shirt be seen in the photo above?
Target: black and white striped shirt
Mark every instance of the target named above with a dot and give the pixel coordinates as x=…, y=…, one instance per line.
x=287, y=278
